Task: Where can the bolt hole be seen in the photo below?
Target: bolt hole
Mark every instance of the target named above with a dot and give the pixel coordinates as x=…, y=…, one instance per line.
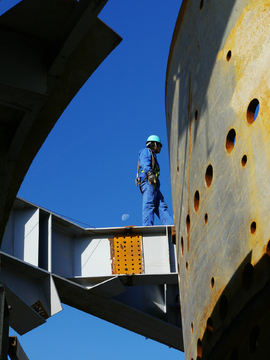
x=196, y=115
x=230, y=140
x=199, y=349
x=223, y=307
x=248, y=276
x=196, y=201
x=229, y=55
x=201, y=4
x=234, y=354
x=209, y=175
x=253, y=111
x=253, y=227
x=188, y=224
x=253, y=339
x=187, y=265
x=212, y=283
x=209, y=329
x=182, y=245
x=244, y=160
x=205, y=218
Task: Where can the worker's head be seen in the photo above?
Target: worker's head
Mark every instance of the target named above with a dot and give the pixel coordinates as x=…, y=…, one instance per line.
x=153, y=142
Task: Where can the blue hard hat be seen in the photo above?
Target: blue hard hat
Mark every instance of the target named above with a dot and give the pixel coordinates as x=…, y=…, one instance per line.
x=153, y=138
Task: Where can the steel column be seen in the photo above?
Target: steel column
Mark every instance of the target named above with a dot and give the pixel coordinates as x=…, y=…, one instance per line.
x=4, y=325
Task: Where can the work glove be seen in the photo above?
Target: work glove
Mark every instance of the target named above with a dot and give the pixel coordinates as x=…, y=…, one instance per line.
x=151, y=177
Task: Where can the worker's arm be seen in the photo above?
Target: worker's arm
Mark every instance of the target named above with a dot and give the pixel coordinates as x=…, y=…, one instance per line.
x=145, y=161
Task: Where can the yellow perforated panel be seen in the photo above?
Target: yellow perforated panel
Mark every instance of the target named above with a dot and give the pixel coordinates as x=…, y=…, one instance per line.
x=127, y=257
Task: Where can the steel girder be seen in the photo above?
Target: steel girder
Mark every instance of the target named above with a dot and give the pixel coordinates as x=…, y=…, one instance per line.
x=46, y=260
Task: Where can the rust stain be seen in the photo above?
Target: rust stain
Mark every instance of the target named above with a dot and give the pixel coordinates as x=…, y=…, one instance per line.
x=207, y=312
x=112, y=253
x=13, y=340
x=199, y=349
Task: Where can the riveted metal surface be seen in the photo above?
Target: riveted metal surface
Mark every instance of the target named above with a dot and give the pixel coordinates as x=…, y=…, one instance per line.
x=40, y=309
x=217, y=109
x=126, y=255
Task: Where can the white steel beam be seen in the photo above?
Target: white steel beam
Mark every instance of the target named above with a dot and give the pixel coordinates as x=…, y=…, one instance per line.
x=47, y=260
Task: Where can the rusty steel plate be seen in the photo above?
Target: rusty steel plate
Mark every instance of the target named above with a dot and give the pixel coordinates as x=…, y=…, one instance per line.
x=218, y=111
x=126, y=254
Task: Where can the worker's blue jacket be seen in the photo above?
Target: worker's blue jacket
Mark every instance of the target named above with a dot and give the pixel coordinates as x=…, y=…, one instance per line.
x=153, y=200
x=145, y=165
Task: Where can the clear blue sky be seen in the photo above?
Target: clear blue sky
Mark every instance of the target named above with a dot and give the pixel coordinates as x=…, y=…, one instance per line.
x=87, y=166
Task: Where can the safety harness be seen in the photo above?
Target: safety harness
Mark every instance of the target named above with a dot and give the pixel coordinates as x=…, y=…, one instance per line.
x=138, y=182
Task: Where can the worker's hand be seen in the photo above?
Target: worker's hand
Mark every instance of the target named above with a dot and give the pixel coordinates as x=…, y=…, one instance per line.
x=151, y=178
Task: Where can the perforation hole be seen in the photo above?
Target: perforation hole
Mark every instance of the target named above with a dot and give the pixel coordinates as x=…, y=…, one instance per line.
x=182, y=245
x=201, y=4
x=268, y=248
x=199, y=349
x=253, y=111
x=253, y=227
x=244, y=160
x=196, y=115
x=209, y=175
x=196, y=200
x=230, y=140
x=188, y=224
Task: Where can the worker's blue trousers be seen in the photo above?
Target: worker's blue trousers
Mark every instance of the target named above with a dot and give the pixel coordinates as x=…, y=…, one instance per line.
x=153, y=203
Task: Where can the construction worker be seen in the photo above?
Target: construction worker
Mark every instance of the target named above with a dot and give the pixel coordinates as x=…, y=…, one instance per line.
x=148, y=180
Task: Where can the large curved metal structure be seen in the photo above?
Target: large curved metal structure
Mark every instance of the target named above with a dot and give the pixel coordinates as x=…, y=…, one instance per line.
x=217, y=108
